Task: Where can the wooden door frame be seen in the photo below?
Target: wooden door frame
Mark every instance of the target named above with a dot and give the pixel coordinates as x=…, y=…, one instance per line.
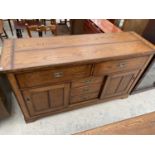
x=28, y=92
x=108, y=78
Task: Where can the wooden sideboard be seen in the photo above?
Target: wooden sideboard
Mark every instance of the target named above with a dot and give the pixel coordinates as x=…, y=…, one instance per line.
x=56, y=74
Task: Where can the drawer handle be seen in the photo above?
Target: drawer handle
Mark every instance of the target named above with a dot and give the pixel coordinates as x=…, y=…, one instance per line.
x=121, y=65
x=58, y=74
x=86, y=89
x=87, y=81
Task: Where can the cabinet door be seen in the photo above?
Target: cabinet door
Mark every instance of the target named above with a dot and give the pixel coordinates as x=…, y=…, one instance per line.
x=118, y=84
x=46, y=99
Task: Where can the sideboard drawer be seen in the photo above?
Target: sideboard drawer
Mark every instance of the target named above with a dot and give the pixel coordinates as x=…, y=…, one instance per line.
x=85, y=97
x=119, y=65
x=58, y=74
x=86, y=81
x=86, y=89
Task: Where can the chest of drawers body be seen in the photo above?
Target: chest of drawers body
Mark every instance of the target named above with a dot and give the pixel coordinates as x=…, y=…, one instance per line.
x=52, y=75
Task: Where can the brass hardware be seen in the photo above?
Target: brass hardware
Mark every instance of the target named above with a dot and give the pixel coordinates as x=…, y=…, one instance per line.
x=58, y=74
x=86, y=89
x=87, y=81
x=122, y=65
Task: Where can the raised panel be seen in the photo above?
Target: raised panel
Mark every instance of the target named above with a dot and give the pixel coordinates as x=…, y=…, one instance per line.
x=46, y=99
x=118, y=84
x=56, y=97
x=125, y=80
x=40, y=101
x=113, y=85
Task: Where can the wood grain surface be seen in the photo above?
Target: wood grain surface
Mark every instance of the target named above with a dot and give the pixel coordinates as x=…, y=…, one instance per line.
x=21, y=54
x=56, y=74
x=140, y=125
x=1, y=26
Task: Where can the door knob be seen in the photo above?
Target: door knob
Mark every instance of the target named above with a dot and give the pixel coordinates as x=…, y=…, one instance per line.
x=28, y=99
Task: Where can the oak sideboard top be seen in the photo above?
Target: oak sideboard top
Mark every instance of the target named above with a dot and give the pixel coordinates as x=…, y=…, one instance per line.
x=22, y=54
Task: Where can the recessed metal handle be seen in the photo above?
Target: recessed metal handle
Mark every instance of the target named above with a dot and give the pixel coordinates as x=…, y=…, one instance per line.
x=87, y=81
x=58, y=74
x=121, y=65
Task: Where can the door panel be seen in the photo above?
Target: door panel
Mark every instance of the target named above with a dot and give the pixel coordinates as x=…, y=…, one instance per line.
x=113, y=85
x=125, y=80
x=46, y=99
x=40, y=100
x=56, y=97
x=118, y=84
